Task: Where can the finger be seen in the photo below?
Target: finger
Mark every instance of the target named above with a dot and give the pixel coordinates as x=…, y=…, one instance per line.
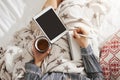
x=75, y=34
x=46, y=54
x=81, y=30
x=48, y=50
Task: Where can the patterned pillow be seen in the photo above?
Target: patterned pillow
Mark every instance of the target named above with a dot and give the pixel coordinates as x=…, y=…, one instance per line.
x=110, y=58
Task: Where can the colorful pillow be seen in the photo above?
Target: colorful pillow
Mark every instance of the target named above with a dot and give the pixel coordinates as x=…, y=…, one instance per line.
x=110, y=58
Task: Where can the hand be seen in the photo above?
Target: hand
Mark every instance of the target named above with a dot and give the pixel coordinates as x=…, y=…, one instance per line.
x=39, y=57
x=82, y=41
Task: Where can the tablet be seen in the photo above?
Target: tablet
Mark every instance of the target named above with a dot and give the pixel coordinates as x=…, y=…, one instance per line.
x=50, y=24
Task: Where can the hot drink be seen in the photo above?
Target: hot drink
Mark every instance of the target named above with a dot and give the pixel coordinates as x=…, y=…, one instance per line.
x=42, y=44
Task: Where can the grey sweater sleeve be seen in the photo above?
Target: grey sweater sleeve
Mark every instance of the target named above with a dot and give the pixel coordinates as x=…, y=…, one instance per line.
x=32, y=72
x=91, y=65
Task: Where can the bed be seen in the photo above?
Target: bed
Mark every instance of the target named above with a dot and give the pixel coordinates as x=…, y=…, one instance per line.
x=17, y=30
x=16, y=14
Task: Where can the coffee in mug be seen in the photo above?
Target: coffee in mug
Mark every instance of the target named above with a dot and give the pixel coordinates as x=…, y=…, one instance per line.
x=42, y=44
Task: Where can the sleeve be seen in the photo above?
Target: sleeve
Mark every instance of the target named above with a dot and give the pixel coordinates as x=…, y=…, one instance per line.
x=92, y=67
x=32, y=72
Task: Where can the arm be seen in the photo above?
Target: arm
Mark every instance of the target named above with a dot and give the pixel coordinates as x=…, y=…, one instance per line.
x=91, y=64
x=33, y=71
x=53, y=3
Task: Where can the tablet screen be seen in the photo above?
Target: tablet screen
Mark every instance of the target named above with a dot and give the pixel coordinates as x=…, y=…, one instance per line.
x=51, y=24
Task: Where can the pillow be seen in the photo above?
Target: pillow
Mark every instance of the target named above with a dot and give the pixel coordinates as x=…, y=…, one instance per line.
x=110, y=58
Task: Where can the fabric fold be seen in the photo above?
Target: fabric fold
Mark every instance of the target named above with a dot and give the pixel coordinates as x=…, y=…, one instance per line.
x=90, y=62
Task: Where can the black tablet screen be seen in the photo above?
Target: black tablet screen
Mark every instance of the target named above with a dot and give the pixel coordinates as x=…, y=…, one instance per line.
x=51, y=24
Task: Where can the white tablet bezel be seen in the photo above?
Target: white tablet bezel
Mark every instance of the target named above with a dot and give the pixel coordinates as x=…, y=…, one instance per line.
x=40, y=14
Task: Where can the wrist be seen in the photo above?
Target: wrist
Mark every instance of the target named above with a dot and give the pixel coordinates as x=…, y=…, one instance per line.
x=84, y=44
x=38, y=63
x=87, y=50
